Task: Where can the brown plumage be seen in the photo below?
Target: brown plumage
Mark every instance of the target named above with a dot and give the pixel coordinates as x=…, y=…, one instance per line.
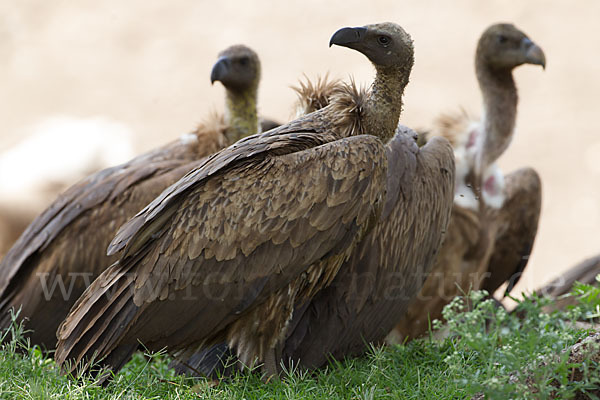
x=494, y=221
x=389, y=266
x=64, y=249
x=516, y=227
x=236, y=246
x=313, y=96
x=384, y=272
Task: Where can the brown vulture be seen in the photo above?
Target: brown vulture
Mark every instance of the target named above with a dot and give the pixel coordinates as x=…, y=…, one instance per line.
x=231, y=251
x=386, y=270
x=64, y=249
x=494, y=220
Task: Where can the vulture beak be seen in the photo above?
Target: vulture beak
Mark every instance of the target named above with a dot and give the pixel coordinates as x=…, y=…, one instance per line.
x=347, y=37
x=219, y=70
x=533, y=53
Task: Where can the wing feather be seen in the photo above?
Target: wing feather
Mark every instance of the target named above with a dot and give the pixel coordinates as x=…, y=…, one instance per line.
x=273, y=247
x=387, y=269
x=518, y=223
x=60, y=245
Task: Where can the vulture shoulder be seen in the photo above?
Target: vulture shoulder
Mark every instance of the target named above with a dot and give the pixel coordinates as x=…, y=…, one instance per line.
x=387, y=268
x=232, y=233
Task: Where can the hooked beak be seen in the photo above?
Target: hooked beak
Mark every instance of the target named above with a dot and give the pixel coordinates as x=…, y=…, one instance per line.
x=533, y=53
x=219, y=70
x=347, y=37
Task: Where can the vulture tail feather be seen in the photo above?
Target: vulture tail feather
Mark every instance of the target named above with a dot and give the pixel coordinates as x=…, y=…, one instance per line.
x=90, y=331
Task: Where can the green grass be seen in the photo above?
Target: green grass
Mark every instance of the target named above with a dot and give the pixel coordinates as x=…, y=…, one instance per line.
x=501, y=361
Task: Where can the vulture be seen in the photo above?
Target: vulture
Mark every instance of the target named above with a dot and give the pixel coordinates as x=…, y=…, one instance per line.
x=494, y=218
x=385, y=271
x=230, y=252
x=64, y=249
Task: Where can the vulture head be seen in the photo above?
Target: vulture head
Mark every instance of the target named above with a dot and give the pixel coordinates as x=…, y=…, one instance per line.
x=390, y=49
x=238, y=69
x=385, y=44
x=503, y=46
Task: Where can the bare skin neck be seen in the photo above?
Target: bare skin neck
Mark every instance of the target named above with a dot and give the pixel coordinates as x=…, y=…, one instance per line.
x=384, y=105
x=500, y=105
x=241, y=114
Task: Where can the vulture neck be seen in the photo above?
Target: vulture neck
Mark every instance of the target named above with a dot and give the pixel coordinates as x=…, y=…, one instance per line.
x=384, y=104
x=500, y=107
x=241, y=114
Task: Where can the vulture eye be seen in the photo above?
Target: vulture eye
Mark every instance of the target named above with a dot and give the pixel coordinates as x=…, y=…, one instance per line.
x=244, y=61
x=502, y=39
x=383, y=40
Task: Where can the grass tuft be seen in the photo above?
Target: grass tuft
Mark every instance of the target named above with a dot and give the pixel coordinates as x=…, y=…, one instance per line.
x=487, y=352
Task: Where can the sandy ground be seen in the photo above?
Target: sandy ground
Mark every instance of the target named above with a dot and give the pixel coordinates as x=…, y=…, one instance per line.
x=145, y=64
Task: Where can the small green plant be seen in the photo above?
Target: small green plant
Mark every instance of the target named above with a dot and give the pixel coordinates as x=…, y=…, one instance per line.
x=588, y=297
x=517, y=355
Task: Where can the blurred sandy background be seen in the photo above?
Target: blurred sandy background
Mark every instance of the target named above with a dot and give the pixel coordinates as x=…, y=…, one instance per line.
x=143, y=66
